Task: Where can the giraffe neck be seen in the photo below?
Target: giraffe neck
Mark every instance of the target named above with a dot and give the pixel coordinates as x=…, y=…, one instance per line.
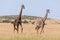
x=19, y=17
x=44, y=19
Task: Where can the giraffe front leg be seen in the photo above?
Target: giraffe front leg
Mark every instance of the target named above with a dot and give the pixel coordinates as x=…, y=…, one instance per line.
x=42, y=30
x=17, y=28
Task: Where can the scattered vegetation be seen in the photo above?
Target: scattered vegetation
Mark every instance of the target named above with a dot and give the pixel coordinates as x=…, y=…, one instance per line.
x=9, y=18
x=6, y=21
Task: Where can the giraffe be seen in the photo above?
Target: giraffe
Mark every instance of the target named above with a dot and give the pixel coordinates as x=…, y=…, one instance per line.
x=41, y=22
x=18, y=21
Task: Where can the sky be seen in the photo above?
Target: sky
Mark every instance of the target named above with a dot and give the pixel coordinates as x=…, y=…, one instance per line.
x=32, y=7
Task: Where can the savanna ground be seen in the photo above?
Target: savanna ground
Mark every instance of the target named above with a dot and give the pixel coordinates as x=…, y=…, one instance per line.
x=51, y=32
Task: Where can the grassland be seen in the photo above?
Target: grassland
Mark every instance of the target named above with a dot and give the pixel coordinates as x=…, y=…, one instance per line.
x=51, y=31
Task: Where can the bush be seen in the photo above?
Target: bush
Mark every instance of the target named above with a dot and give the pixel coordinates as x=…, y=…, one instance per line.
x=32, y=22
x=25, y=21
x=6, y=21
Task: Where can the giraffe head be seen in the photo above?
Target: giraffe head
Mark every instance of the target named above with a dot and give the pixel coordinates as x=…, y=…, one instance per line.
x=48, y=11
x=23, y=7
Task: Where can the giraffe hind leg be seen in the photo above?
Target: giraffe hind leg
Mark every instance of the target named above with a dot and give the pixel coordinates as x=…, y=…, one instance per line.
x=14, y=27
x=37, y=28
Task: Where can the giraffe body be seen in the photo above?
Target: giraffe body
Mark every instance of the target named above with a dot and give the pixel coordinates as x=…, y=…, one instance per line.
x=41, y=23
x=18, y=21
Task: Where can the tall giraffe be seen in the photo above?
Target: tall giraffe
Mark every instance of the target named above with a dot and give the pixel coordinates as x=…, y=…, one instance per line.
x=18, y=21
x=41, y=23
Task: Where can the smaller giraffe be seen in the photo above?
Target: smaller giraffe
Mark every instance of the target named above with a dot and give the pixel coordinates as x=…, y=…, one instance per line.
x=18, y=21
x=41, y=23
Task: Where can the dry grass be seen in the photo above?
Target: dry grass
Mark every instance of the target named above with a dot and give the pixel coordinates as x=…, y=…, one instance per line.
x=52, y=32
